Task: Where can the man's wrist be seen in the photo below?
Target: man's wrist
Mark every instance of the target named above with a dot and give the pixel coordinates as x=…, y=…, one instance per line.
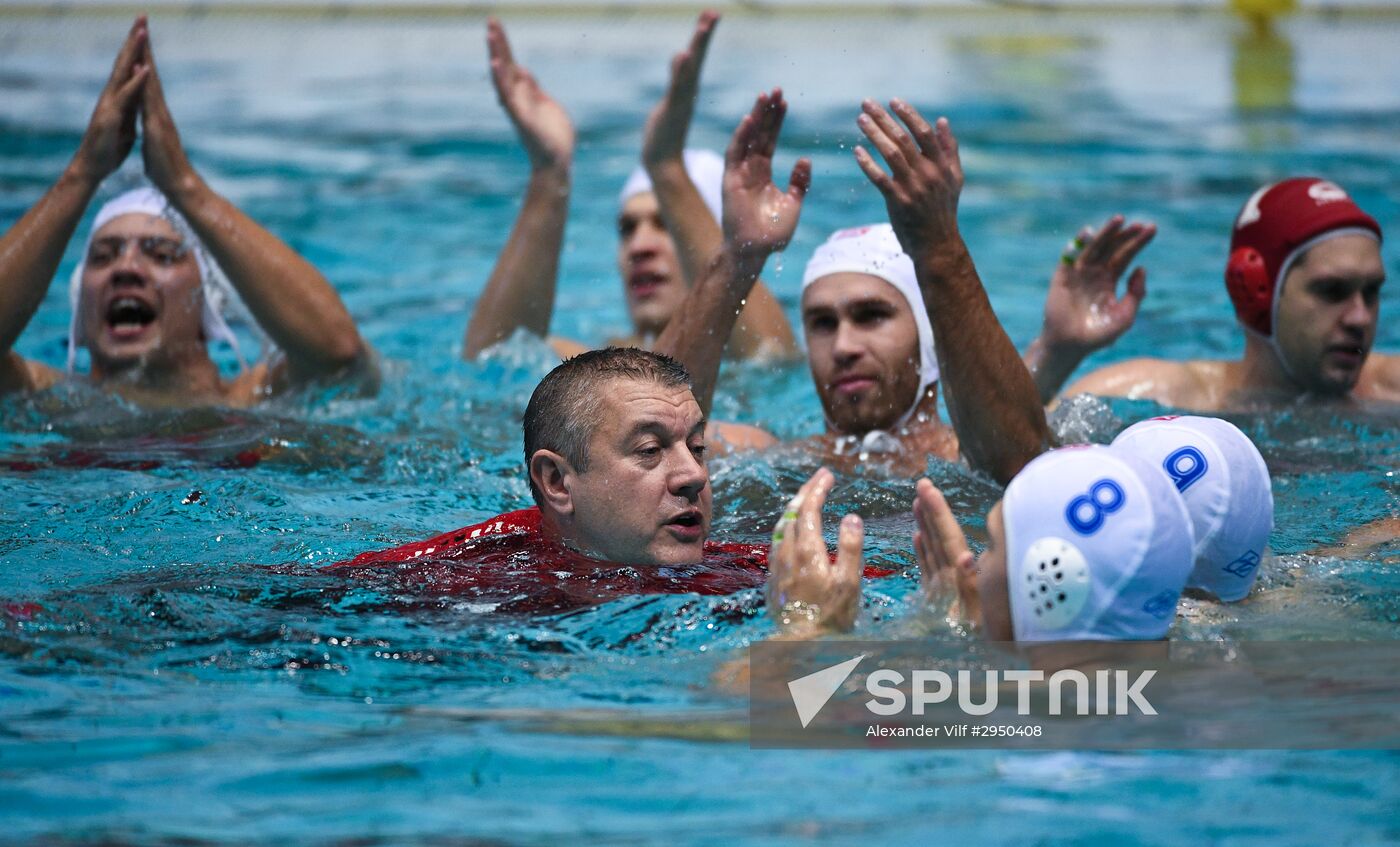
x=943, y=257
x=80, y=175
x=667, y=172
x=556, y=177
x=187, y=191
x=747, y=259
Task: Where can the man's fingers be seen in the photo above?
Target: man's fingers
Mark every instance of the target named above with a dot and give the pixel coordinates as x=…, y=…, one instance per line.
x=882, y=131
x=892, y=130
x=1135, y=238
x=700, y=41
x=1129, y=303
x=946, y=536
x=949, y=142
x=809, y=514
x=126, y=95
x=920, y=129
x=497, y=44
x=129, y=52
x=872, y=171
x=773, y=123
x=1099, y=247
x=850, y=547
x=153, y=93
x=739, y=143
x=801, y=179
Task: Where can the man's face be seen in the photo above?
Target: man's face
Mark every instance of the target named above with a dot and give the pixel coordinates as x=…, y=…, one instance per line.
x=991, y=581
x=863, y=348
x=140, y=294
x=646, y=260
x=645, y=498
x=1328, y=313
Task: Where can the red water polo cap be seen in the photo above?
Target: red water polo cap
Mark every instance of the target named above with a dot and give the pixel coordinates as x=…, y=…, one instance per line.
x=1273, y=228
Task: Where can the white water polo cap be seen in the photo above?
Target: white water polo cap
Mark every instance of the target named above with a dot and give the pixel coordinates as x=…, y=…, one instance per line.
x=218, y=292
x=1225, y=483
x=704, y=167
x=875, y=250
x=1098, y=547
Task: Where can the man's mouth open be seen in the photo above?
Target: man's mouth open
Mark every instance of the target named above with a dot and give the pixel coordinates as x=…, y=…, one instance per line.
x=643, y=284
x=687, y=527
x=128, y=318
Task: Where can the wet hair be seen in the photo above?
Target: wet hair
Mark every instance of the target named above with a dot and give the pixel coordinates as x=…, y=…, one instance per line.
x=566, y=407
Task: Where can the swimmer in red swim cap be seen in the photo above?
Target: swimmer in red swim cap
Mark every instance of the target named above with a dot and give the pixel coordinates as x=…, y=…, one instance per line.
x=1304, y=274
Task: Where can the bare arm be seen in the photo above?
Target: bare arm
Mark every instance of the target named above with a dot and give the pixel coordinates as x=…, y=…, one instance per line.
x=762, y=328
x=32, y=249
x=520, y=291
x=759, y=219
x=1083, y=313
x=993, y=403
x=290, y=299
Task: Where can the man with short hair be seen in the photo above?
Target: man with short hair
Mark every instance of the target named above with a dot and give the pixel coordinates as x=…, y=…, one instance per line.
x=615, y=450
x=1304, y=274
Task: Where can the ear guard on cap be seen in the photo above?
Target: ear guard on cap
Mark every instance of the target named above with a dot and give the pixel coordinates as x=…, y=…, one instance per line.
x=1250, y=288
x=1056, y=581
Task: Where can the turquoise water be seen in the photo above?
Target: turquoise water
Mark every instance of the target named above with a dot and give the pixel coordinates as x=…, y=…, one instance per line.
x=161, y=681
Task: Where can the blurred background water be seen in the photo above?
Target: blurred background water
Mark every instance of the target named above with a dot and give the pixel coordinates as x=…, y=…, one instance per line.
x=174, y=667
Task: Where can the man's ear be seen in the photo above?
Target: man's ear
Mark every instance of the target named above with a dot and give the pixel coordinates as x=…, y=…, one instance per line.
x=552, y=474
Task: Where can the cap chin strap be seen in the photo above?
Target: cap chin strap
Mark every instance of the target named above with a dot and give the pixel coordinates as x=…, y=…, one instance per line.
x=883, y=440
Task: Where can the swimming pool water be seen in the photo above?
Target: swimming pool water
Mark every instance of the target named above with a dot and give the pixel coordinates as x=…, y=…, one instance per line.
x=175, y=668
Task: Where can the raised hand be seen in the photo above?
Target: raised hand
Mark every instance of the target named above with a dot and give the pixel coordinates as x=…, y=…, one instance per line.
x=925, y=179
x=946, y=565
x=1083, y=311
x=759, y=217
x=806, y=590
x=669, y=123
x=111, y=132
x=161, y=150
x=542, y=124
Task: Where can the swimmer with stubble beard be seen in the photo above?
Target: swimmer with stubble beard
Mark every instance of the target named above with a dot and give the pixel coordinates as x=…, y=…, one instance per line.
x=890, y=313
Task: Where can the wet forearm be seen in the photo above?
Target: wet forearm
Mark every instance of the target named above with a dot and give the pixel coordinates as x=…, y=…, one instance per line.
x=520, y=290
x=992, y=400
x=31, y=250
x=761, y=327
x=1050, y=366
x=696, y=336
x=290, y=299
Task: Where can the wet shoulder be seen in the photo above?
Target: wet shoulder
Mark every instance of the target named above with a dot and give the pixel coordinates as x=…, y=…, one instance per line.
x=1165, y=381
x=20, y=374
x=566, y=348
x=732, y=437
x=1380, y=379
